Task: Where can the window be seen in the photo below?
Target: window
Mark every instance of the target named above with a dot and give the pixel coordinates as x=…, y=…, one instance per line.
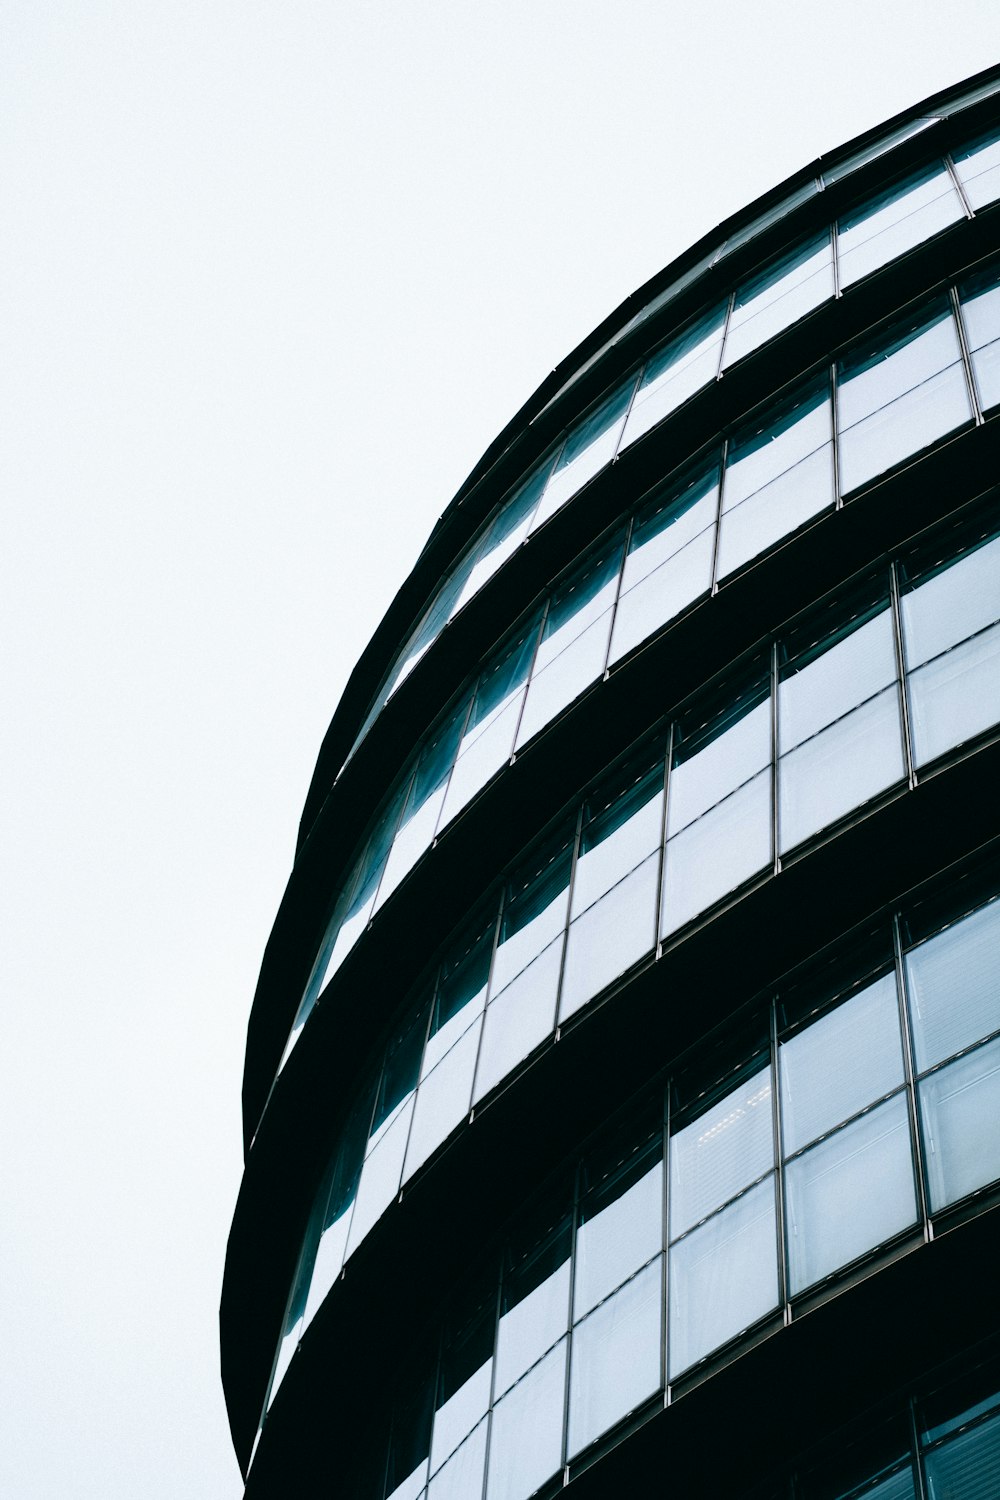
x=718, y=803
x=780, y=296
x=683, y=366
x=978, y=168
x=839, y=735
x=899, y=395
x=895, y=221
x=951, y=639
x=669, y=561
x=779, y=474
x=981, y=311
x=590, y=445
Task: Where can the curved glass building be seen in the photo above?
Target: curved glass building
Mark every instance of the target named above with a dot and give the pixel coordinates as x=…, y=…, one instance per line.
x=622, y=1091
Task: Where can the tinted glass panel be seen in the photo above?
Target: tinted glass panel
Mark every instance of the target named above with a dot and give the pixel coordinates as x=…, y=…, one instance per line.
x=895, y=221
x=779, y=297
x=960, y=1112
x=978, y=168
x=953, y=982
x=526, y=1431
x=722, y=1151
x=616, y=1358
x=680, y=369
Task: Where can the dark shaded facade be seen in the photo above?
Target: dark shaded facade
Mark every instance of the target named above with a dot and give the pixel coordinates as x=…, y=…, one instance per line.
x=622, y=1091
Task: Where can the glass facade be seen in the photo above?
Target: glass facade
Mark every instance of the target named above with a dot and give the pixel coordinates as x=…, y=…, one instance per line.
x=756, y=1148
x=743, y=1184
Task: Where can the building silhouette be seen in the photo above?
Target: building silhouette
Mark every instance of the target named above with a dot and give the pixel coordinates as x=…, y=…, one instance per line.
x=622, y=1091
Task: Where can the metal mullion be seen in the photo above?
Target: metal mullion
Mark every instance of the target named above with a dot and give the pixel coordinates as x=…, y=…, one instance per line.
x=569, y=911
x=501, y=1278
x=416, y=1088
x=527, y=681
x=784, y=1294
x=714, y=589
x=665, y=1241
x=447, y=785
x=662, y=851
x=838, y=499
x=630, y=527
x=396, y=828
x=837, y=290
x=963, y=339
x=501, y=904
x=628, y=410
x=904, y=709
x=957, y=184
x=920, y=1482
x=730, y=304
x=909, y=1073
x=775, y=828
x=564, y=1448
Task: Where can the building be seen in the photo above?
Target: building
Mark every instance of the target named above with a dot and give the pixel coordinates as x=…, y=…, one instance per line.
x=622, y=1088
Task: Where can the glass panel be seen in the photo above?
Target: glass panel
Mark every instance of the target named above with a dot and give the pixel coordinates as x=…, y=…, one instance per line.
x=953, y=981
x=534, y=1308
x=461, y=1478
x=406, y=1472
x=878, y=147
x=822, y=687
x=836, y=1066
x=960, y=600
x=779, y=297
x=339, y=1205
x=981, y=308
x=720, y=1152
x=978, y=168
x=682, y=367
x=505, y=534
x=526, y=1435
x=589, y=446
x=898, y=400
x=580, y=602
x=723, y=1277
x=771, y=216
x=714, y=758
x=956, y=696
x=898, y=219
x=621, y=1228
x=464, y=1378
x=850, y=1193
x=534, y=910
x=717, y=853
x=489, y=734
x=839, y=769
x=461, y=990
x=519, y=1019
x=669, y=562
x=960, y=1112
x=423, y=804
x=610, y=936
x=443, y=1099
x=616, y=1357
x=778, y=475
x=967, y=1468
x=621, y=826
x=555, y=686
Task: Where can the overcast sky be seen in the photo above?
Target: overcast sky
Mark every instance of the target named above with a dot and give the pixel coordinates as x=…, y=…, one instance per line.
x=273, y=273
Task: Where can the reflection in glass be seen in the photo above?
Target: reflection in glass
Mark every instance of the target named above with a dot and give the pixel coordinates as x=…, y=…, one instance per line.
x=723, y=1277
x=591, y=445
x=621, y=1229
x=669, y=562
x=505, y=533
x=779, y=474
x=722, y=1151
x=423, y=804
x=526, y=1430
x=850, y=1193
x=488, y=739
x=978, y=168
x=616, y=1357
x=895, y=221
x=610, y=936
x=534, y=1308
x=967, y=1467
x=682, y=367
x=953, y=983
x=831, y=1069
x=960, y=1113
x=462, y=1475
x=898, y=398
x=463, y=1379
x=779, y=296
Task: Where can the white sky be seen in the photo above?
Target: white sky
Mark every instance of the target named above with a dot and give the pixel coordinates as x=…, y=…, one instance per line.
x=273, y=273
